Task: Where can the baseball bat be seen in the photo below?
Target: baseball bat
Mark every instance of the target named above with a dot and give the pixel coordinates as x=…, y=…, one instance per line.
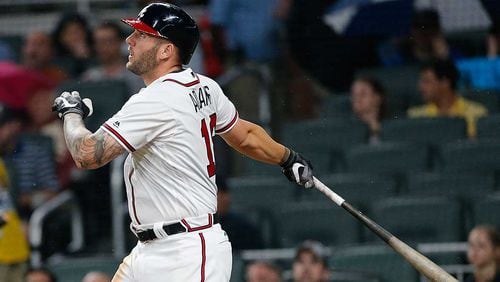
x=421, y=263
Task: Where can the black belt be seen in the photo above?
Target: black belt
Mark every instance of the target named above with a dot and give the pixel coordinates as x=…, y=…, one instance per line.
x=170, y=229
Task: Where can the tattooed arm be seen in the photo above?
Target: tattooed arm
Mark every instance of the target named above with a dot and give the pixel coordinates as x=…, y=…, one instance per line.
x=89, y=150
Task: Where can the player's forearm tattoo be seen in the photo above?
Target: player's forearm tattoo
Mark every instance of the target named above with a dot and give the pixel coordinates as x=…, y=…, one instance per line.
x=89, y=150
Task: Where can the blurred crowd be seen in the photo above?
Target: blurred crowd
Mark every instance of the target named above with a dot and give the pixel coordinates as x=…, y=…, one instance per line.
x=276, y=59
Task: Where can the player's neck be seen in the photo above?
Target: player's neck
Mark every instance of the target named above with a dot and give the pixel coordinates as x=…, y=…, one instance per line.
x=159, y=72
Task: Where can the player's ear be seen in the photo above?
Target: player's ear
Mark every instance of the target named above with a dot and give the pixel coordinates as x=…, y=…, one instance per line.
x=167, y=50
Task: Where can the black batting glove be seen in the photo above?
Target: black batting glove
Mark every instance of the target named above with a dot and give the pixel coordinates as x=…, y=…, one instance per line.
x=297, y=169
x=72, y=103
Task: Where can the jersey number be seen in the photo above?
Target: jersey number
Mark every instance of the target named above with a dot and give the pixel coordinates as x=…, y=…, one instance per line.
x=207, y=136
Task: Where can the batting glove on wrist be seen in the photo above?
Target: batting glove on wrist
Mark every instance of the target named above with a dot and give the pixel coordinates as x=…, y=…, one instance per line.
x=299, y=170
x=72, y=103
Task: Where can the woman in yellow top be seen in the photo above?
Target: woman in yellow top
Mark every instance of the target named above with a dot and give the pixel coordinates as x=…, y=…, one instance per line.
x=14, y=249
x=437, y=84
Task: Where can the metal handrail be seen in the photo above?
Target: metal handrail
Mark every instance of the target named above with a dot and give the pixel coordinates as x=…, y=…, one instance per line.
x=41, y=213
x=459, y=270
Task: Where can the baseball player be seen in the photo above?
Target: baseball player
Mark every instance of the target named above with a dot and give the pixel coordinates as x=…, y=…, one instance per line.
x=167, y=130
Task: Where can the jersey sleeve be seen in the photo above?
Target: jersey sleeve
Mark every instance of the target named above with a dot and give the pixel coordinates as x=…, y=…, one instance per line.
x=227, y=115
x=138, y=122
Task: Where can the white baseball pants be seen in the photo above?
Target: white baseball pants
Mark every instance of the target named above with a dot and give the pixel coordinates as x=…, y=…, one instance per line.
x=203, y=255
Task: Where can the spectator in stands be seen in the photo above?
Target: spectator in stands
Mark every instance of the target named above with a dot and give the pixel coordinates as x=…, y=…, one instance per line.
x=438, y=86
x=481, y=73
x=38, y=54
x=40, y=275
x=246, y=39
x=493, y=41
x=323, y=52
x=245, y=30
x=31, y=92
x=242, y=233
x=36, y=180
x=73, y=42
x=263, y=271
x=369, y=104
x=96, y=276
x=17, y=83
x=108, y=38
x=425, y=42
x=483, y=253
x=14, y=249
x=310, y=263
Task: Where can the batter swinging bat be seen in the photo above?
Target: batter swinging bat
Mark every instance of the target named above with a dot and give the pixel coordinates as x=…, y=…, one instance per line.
x=419, y=261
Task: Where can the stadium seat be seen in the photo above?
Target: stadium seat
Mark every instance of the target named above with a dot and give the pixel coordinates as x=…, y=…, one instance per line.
x=386, y=157
x=324, y=222
x=379, y=260
x=400, y=84
x=487, y=211
x=74, y=269
x=489, y=127
x=238, y=269
x=467, y=186
x=335, y=106
x=396, y=105
x=478, y=155
x=488, y=98
x=107, y=96
x=251, y=167
x=421, y=219
x=357, y=189
x=259, y=199
x=260, y=192
x=322, y=163
x=427, y=131
x=400, y=80
x=324, y=135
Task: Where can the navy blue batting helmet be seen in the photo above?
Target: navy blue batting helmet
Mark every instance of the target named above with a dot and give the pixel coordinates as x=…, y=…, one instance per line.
x=170, y=22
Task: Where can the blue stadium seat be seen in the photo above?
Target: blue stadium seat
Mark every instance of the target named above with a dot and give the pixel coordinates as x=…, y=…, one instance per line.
x=324, y=222
x=487, y=211
x=488, y=98
x=466, y=186
x=390, y=158
x=489, y=127
x=261, y=191
x=426, y=131
x=481, y=155
x=324, y=135
x=74, y=269
x=360, y=189
x=335, y=106
x=379, y=260
x=421, y=219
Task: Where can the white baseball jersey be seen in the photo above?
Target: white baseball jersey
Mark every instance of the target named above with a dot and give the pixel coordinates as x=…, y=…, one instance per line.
x=167, y=129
